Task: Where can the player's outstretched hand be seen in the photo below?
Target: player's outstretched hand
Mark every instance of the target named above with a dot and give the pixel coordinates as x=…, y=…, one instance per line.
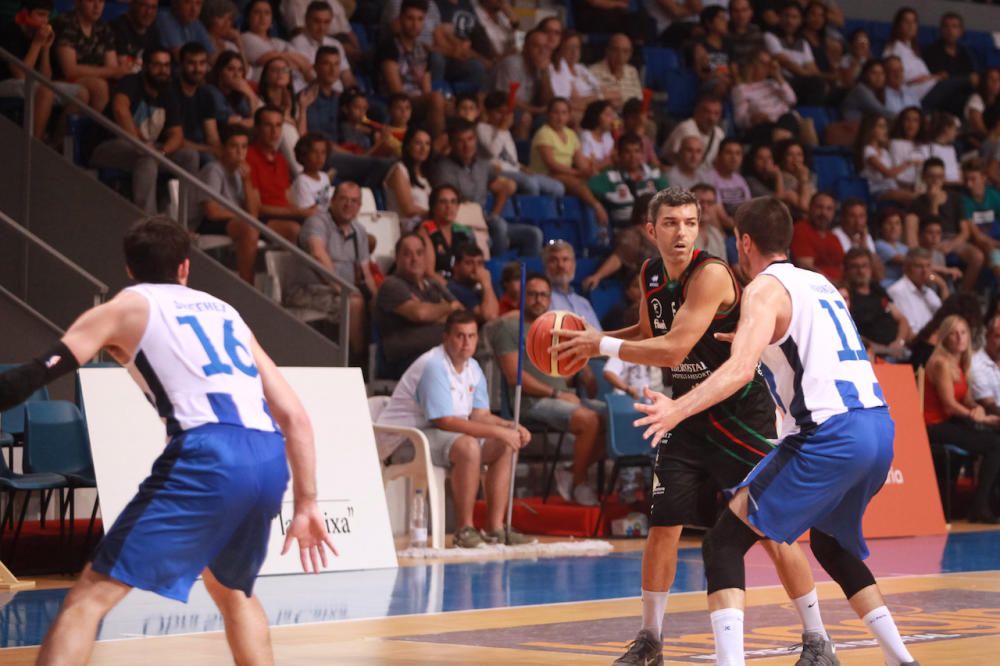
x=661, y=417
x=578, y=344
x=309, y=530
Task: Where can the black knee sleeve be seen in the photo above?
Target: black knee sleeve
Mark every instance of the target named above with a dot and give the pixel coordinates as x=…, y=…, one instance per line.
x=848, y=571
x=723, y=550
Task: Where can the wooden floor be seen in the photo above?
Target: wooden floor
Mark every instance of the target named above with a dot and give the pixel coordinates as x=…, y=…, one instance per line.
x=376, y=642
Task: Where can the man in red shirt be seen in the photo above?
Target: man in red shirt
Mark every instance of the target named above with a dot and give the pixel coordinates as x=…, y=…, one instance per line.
x=270, y=175
x=813, y=244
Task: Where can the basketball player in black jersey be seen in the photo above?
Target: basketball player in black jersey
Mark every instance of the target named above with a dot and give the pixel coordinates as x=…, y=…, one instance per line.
x=690, y=296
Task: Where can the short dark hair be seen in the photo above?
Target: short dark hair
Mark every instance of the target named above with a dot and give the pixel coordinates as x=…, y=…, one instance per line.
x=929, y=220
x=495, y=100
x=852, y=202
x=399, y=97
x=974, y=164
x=632, y=107
x=728, y=141
x=325, y=51
x=458, y=317
x=192, y=49
x=267, y=108
x=556, y=100
x=629, y=139
x=463, y=250
x=511, y=271
x=155, y=247
x=403, y=238
x=303, y=145
x=147, y=59
x=767, y=222
x=855, y=253
x=458, y=125
x=436, y=193
x=931, y=162
x=318, y=6
x=535, y=275
x=413, y=4
x=35, y=5
x=947, y=16
x=227, y=132
x=708, y=14
x=671, y=198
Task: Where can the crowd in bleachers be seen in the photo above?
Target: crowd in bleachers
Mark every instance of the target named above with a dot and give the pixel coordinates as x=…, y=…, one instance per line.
x=556, y=124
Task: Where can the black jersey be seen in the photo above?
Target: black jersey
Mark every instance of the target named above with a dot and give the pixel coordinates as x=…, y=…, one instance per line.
x=664, y=298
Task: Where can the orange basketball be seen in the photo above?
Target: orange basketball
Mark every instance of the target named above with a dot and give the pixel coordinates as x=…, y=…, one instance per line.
x=544, y=333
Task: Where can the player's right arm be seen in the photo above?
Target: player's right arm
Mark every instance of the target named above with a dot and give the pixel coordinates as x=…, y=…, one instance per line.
x=709, y=289
x=117, y=325
x=307, y=522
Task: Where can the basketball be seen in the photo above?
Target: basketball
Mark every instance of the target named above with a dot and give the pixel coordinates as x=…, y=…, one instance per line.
x=544, y=333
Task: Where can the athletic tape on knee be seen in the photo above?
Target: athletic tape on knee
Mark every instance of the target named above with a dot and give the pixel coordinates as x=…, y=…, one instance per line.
x=17, y=384
x=723, y=550
x=845, y=569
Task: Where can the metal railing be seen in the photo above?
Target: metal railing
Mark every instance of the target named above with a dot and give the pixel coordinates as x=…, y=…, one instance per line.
x=33, y=78
x=100, y=289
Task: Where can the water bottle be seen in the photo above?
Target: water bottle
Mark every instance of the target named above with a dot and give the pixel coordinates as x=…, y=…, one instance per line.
x=418, y=520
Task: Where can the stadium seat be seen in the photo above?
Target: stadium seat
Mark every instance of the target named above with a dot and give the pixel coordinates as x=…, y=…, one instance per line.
x=829, y=168
x=851, y=187
x=626, y=446
x=536, y=209
x=682, y=92
x=509, y=210
x=604, y=296
x=659, y=61
x=11, y=484
x=523, y=147
x=820, y=115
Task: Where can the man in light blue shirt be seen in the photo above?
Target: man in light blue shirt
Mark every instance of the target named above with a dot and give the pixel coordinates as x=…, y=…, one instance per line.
x=181, y=25
x=560, y=267
x=444, y=394
x=897, y=95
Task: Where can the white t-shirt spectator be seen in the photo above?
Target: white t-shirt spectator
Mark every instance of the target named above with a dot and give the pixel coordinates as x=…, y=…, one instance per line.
x=499, y=31
x=799, y=53
x=913, y=67
x=307, y=47
x=307, y=192
x=294, y=13
x=917, y=305
x=430, y=389
x=904, y=150
x=974, y=103
x=635, y=375
x=845, y=240
x=732, y=190
x=947, y=154
x=499, y=145
x=984, y=378
x=599, y=149
x=255, y=47
x=678, y=178
x=877, y=182
x=688, y=128
x=565, y=81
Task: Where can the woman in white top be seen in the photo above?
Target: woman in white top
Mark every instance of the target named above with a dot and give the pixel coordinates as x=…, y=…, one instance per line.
x=596, y=140
x=935, y=91
x=942, y=131
x=796, y=57
x=260, y=49
x=987, y=95
x=906, y=145
x=569, y=79
x=874, y=162
x=407, y=190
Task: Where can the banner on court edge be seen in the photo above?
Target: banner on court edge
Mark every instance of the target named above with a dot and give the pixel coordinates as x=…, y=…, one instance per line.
x=909, y=503
x=126, y=436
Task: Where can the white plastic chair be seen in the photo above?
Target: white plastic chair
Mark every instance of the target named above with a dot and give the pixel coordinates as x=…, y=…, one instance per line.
x=384, y=226
x=471, y=215
x=419, y=472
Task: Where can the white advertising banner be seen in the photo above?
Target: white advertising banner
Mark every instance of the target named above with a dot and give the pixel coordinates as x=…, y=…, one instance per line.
x=126, y=436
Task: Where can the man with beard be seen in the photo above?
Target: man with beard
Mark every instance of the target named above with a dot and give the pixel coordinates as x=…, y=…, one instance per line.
x=139, y=108
x=813, y=244
x=690, y=298
x=560, y=267
x=192, y=104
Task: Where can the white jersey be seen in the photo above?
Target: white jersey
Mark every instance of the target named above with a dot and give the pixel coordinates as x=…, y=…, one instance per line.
x=819, y=368
x=195, y=363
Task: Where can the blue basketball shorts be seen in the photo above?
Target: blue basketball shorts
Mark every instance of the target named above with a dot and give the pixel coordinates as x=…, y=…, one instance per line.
x=824, y=479
x=208, y=502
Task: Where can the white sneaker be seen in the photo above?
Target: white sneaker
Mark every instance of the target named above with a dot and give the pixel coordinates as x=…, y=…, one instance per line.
x=584, y=495
x=564, y=483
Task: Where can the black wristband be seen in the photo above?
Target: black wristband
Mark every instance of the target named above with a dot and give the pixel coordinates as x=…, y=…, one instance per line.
x=17, y=384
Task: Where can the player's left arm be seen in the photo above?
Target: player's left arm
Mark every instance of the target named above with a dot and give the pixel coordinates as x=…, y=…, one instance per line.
x=307, y=522
x=107, y=325
x=763, y=300
x=710, y=287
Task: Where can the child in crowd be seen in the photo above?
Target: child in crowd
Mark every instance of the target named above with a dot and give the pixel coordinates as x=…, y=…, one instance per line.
x=312, y=186
x=467, y=107
x=890, y=246
x=981, y=203
x=930, y=240
x=874, y=161
x=356, y=134
x=496, y=140
x=400, y=112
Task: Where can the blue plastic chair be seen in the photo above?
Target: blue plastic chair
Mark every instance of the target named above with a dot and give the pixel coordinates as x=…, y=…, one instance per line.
x=523, y=147
x=820, y=115
x=12, y=420
x=604, y=296
x=682, y=92
x=537, y=209
x=659, y=60
x=626, y=447
x=851, y=187
x=829, y=168
x=11, y=484
x=56, y=441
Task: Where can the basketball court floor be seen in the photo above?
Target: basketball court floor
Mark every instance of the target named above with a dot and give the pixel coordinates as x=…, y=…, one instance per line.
x=944, y=592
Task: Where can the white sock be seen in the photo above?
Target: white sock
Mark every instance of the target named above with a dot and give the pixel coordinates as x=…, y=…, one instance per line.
x=654, y=605
x=727, y=625
x=880, y=622
x=808, y=607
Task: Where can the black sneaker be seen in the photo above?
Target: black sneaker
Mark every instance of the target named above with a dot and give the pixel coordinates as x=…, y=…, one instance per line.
x=645, y=650
x=817, y=651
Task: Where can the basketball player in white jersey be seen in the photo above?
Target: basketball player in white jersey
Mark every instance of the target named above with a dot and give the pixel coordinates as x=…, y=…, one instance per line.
x=836, y=444
x=207, y=506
